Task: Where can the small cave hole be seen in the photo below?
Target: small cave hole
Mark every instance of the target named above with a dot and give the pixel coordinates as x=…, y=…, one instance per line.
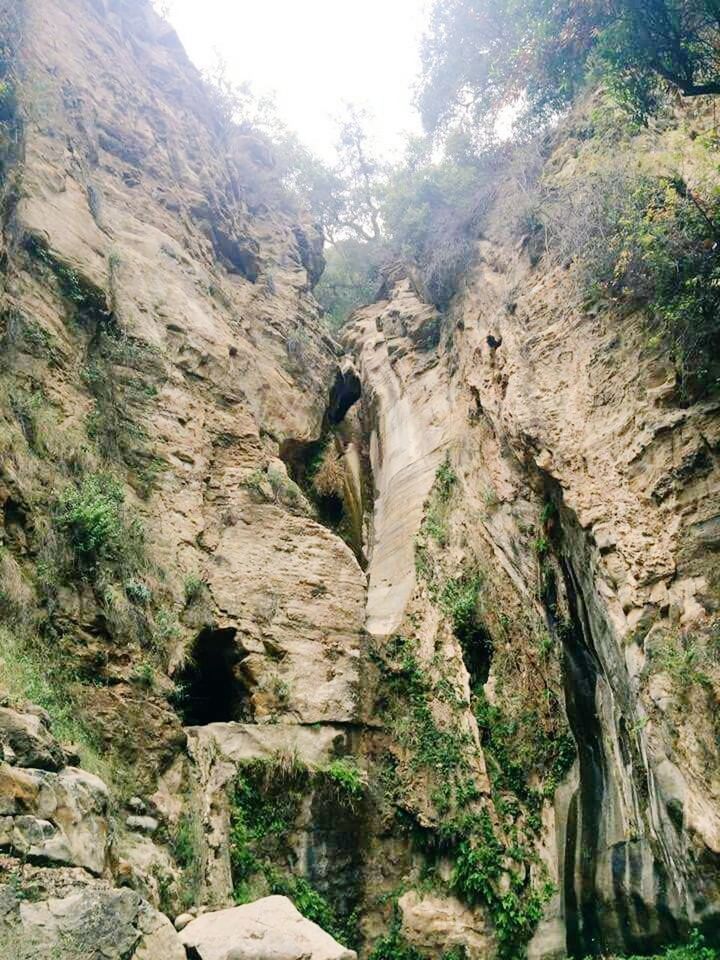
x=477, y=649
x=14, y=522
x=212, y=691
x=344, y=394
x=319, y=466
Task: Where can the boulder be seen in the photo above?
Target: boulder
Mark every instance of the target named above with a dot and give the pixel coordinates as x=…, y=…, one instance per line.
x=271, y=929
x=60, y=817
x=435, y=924
x=97, y=924
x=27, y=742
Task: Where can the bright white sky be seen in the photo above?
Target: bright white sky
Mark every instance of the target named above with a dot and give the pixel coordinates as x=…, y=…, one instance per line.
x=314, y=55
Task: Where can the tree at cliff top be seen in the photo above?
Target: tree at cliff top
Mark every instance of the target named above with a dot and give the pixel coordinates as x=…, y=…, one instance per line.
x=481, y=56
x=352, y=220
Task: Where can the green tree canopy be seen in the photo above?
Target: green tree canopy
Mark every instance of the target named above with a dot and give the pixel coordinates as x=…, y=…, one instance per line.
x=534, y=55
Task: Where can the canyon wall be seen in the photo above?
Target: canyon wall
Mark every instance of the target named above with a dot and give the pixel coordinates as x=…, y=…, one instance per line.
x=419, y=631
x=577, y=507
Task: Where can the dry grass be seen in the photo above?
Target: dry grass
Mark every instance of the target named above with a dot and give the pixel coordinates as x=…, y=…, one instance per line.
x=329, y=479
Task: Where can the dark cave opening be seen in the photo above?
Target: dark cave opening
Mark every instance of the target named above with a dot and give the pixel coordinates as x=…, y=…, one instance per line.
x=308, y=461
x=212, y=691
x=477, y=650
x=344, y=394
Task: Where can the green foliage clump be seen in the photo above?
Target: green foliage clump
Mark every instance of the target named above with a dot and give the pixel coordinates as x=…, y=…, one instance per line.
x=434, y=525
x=347, y=778
x=479, y=865
x=88, y=302
x=193, y=587
x=515, y=745
x=445, y=480
x=459, y=599
x=432, y=210
x=690, y=658
x=483, y=862
x=444, y=750
x=28, y=336
x=28, y=671
x=138, y=592
x=695, y=949
x=351, y=278
x=650, y=243
x=663, y=253
x=275, y=486
x=92, y=519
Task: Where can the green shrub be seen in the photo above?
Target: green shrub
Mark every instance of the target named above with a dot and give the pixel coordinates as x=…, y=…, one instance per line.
x=347, y=778
x=445, y=480
x=351, y=278
x=432, y=211
x=194, y=586
x=650, y=242
x=686, y=658
x=138, y=592
x=517, y=746
x=694, y=949
x=435, y=521
x=92, y=520
x=459, y=600
x=166, y=629
x=515, y=911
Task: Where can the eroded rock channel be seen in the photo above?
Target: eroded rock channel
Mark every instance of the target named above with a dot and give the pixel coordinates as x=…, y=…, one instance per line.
x=404, y=646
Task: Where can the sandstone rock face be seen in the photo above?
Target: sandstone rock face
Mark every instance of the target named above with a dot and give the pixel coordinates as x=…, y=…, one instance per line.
x=435, y=924
x=405, y=391
x=28, y=742
x=157, y=282
x=99, y=925
x=219, y=751
x=60, y=820
x=218, y=295
x=271, y=928
x=510, y=680
x=565, y=433
x=61, y=817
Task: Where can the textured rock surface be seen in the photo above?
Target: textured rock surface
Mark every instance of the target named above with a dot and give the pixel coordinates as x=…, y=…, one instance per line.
x=406, y=390
x=156, y=281
x=55, y=816
x=158, y=324
x=27, y=742
x=243, y=360
x=218, y=750
x=572, y=409
x=99, y=925
x=271, y=928
x=436, y=924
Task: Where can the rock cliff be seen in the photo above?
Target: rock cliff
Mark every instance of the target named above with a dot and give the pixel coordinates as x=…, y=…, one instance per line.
x=419, y=631
x=559, y=499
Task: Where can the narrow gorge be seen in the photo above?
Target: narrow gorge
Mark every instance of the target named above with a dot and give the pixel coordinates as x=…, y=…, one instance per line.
x=400, y=641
